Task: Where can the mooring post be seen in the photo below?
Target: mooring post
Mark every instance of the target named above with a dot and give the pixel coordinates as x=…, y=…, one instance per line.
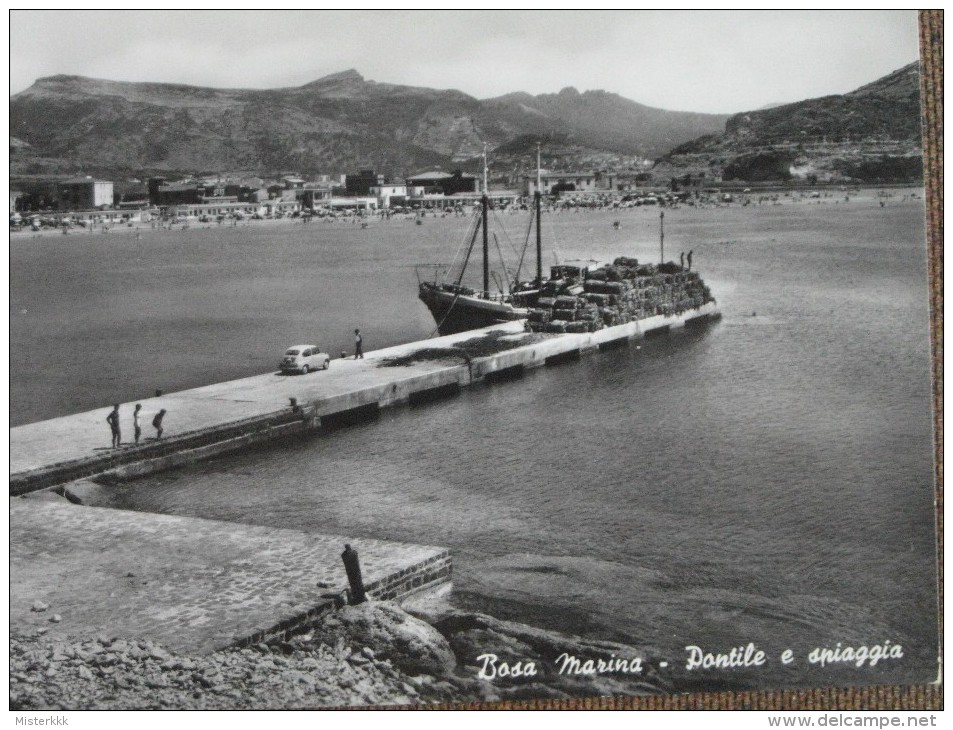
x=352, y=565
x=158, y=392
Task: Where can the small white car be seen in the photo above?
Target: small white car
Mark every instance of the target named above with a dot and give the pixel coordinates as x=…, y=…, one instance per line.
x=304, y=358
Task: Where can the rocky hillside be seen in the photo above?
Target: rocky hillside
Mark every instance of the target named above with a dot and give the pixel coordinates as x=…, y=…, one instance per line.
x=336, y=124
x=601, y=120
x=871, y=134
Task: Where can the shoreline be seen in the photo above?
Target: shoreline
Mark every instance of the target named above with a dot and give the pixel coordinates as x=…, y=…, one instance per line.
x=794, y=195
x=371, y=654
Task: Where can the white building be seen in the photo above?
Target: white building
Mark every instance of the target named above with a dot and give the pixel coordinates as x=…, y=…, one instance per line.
x=581, y=182
x=348, y=203
x=385, y=193
x=84, y=193
x=210, y=210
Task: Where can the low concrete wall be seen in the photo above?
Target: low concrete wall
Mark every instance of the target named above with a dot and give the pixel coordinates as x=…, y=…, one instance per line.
x=567, y=347
x=190, y=456
x=396, y=392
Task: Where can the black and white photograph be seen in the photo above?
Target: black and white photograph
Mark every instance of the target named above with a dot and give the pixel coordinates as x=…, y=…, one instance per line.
x=435, y=357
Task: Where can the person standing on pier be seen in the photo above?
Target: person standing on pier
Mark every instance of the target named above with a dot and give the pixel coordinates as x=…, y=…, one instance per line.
x=157, y=423
x=136, y=426
x=689, y=257
x=683, y=260
x=113, y=420
x=358, y=345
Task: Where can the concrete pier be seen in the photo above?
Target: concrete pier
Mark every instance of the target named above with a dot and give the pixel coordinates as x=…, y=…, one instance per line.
x=229, y=416
x=189, y=584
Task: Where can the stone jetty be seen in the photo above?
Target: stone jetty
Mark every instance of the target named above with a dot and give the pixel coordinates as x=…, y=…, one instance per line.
x=229, y=416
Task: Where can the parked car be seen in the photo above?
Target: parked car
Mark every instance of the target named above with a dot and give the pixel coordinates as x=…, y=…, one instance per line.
x=304, y=358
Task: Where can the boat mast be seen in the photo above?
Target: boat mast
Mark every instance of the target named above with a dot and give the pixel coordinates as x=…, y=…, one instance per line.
x=486, y=238
x=539, y=217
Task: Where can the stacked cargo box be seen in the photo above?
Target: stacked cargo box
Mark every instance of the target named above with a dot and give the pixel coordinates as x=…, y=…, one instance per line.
x=616, y=294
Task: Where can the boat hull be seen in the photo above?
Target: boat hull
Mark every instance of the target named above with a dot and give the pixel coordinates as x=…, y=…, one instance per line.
x=454, y=312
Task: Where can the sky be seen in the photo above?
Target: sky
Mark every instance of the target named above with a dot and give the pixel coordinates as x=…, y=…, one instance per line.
x=703, y=61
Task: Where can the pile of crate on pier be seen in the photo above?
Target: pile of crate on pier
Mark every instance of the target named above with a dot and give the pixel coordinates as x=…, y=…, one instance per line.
x=617, y=294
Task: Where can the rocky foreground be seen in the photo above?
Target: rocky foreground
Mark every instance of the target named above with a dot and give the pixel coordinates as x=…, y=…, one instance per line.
x=372, y=654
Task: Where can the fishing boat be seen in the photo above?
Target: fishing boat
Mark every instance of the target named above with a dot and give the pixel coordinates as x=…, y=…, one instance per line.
x=458, y=308
x=578, y=296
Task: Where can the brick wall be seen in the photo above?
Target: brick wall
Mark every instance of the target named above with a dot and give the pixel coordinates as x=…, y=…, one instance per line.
x=429, y=573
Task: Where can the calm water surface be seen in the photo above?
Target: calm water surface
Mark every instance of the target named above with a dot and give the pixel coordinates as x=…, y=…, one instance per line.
x=766, y=479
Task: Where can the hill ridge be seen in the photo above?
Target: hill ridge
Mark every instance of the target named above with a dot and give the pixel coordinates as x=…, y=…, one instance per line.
x=336, y=123
x=870, y=134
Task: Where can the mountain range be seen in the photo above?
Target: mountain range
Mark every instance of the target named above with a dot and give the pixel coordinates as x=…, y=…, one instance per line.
x=343, y=122
x=338, y=123
x=870, y=134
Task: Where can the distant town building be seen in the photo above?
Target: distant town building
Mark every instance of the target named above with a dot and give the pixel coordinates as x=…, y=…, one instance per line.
x=498, y=199
x=350, y=203
x=554, y=183
x=445, y=183
x=152, y=186
x=208, y=211
x=177, y=194
x=362, y=183
x=253, y=195
x=165, y=195
x=313, y=195
x=84, y=193
x=307, y=196
x=431, y=182
x=330, y=181
x=390, y=195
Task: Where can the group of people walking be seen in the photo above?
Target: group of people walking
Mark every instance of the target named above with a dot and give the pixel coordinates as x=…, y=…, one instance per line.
x=113, y=420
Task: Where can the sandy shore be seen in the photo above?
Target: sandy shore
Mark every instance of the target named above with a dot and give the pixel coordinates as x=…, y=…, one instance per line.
x=148, y=229
x=829, y=196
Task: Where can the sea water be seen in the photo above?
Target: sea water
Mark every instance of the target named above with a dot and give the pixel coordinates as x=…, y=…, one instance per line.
x=767, y=478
